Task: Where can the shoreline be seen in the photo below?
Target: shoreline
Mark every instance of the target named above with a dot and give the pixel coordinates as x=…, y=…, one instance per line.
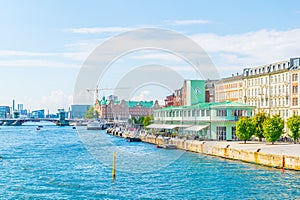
x=279, y=155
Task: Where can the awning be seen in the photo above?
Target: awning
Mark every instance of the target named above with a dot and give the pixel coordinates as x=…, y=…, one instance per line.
x=167, y=126
x=155, y=126
x=196, y=128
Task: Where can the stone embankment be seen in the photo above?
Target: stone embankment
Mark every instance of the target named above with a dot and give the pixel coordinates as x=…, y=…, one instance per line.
x=285, y=156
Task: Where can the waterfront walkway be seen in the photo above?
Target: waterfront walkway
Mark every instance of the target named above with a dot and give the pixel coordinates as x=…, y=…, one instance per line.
x=279, y=155
x=288, y=149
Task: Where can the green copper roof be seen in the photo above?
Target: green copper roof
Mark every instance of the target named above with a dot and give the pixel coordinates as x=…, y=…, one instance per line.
x=224, y=104
x=146, y=104
x=129, y=104
x=103, y=101
x=116, y=102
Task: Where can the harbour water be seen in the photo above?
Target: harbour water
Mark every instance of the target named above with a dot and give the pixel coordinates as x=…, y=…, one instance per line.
x=54, y=163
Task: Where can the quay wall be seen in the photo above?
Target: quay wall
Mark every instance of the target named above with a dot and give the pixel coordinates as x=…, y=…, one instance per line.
x=209, y=148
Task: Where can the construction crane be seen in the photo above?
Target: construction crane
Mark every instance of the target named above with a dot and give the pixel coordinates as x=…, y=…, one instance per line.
x=99, y=89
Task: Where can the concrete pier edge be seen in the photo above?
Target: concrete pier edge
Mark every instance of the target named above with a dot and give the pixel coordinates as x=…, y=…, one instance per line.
x=289, y=162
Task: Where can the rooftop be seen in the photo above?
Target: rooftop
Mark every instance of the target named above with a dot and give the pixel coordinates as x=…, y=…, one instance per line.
x=224, y=104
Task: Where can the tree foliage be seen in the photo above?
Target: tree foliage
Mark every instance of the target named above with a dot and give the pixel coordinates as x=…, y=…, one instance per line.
x=245, y=128
x=132, y=120
x=258, y=121
x=91, y=113
x=147, y=120
x=273, y=128
x=293, y=123
x=140, y=120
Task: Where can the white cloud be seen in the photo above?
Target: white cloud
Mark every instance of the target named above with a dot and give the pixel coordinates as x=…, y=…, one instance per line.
x=251, y=48
x=98, y=30
x=53, y=101
x=37, y=63
x=70, y=55
x=142, y=96
x=24, y=53
x=189, y=22
x=157, y=56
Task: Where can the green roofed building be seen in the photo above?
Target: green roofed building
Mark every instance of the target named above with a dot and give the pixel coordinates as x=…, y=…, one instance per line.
x=207, y=121
x=122, y=110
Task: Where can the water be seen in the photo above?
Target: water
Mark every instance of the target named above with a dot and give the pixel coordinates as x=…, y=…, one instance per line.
x=53, y=163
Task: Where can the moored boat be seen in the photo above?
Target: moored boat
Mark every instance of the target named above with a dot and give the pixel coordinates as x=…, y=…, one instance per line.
x=94, y=125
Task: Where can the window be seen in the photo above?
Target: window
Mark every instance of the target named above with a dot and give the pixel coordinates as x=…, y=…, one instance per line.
x=207, y=112
x=233, y=131
x=221, y=132
x=237, y=113
x=295, y=77
x=295, y=101
x=221, y=112
x=202, y=113
x=279, y=89
x=295, y=89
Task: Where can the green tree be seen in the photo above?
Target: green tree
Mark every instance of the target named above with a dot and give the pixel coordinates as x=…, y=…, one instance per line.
x=273, y=128
x=91, y=113
x=293, y=123
x=147, y=120
x=245, y=128
x=140, y=119
x=258, y=121
x=132, y=120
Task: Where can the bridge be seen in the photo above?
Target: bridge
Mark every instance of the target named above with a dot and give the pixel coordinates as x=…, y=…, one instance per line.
x=19, y=122
x=60, y=121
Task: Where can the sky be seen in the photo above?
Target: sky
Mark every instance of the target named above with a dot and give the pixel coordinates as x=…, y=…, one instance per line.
x=45, y=44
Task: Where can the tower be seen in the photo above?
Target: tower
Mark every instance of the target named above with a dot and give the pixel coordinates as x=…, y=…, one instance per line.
x=13, y=105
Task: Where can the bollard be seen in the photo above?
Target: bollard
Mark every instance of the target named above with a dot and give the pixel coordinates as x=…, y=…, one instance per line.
x=114, y=166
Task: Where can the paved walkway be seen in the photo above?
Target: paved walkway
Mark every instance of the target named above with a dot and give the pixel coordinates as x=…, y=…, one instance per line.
x=277, y=148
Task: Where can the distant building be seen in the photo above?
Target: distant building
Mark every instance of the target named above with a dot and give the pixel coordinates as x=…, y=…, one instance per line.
x=38, y=114
x=112, y=98
x=13, y=105
x=210, y=90
x=229, y=89
x=4, y=111
x=20, y=107
x=123, y=110
x=170, y=100
x=78, y=111
x=52, y=116
x=191, y=93
x=23, y=112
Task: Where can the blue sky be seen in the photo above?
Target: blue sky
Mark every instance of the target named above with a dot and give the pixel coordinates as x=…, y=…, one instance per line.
x=44, y=43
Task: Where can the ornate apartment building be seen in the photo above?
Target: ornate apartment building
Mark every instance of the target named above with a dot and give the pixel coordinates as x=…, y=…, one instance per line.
x=271, y=88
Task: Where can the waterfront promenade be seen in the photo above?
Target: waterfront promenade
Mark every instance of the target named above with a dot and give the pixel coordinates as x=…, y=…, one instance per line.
x=278, y=155
x=276, y=149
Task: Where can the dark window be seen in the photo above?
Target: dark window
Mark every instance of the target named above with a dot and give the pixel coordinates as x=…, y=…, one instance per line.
x=221, y=113
x=221, y=132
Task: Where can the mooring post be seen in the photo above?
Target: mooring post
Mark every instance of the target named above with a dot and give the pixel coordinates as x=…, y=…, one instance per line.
x=114, y=166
